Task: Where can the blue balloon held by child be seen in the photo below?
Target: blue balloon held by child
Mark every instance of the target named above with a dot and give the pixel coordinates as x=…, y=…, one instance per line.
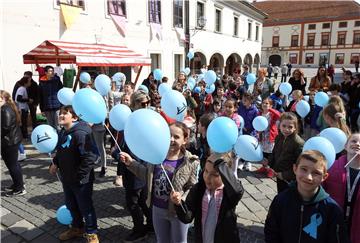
x=209, y=89
x=248, y=148
x=118, y=116
x=187, y=71
x=250, y=78
x=103, y=84
x=144, y=88
x=158, y=74
x=63, y=215
x=302, y=108
x=44, y=138
x=197, y=90
x=65, y=96
x=322, y=145
x=336, y=136
x=191, y=82
x=222, y=134
x=210, y=77
x=321, y=99
x=85, y=77
x=163, y=88
x=190, y=55
x=260, y=123
x=174, y=105
x=285, y=88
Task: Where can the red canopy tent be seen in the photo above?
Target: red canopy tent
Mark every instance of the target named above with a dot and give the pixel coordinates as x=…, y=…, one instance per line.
x=84, y=54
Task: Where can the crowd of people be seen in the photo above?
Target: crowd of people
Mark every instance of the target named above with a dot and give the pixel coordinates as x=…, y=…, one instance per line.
x=313, y=204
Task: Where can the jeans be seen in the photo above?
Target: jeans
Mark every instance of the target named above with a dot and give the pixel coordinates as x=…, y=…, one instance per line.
x=10, y=156
x=21, y=148
x=33, y=115
x=99, y=140
x=52, y=118
x=78, y=199
x=168, y=228
x=24, y=118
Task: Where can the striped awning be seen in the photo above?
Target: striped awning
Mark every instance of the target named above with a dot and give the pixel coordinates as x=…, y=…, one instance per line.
x=84, y=54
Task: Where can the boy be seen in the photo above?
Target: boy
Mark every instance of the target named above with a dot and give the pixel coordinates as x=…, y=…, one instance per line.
x=305, y=212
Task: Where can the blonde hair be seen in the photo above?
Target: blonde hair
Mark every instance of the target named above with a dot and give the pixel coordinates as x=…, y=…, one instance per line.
x=337, y=101
x=136, y=97
x=8, y=100
x=297, y=93
x=336, y=113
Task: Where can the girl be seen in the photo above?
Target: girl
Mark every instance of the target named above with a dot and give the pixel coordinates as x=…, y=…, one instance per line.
x=216, y=107
x=297, y=97
x=202, y=146
x=10, y=140
x=263, y=86
x=23, y=101
x=288, y=146
x=311, y=129
x=75, y=159
x=181, y=167
x=343, y=180
x=334, y=116
x=230, y=109
x=212, y=202
x=321, y=82
x=267, y=137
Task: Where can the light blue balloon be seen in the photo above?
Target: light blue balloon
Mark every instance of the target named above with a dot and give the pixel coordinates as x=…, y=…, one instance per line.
x=260, y=123
x=248, y=148
x=89, y=105
x=149, y=141
x=210, y=88
x=336, y=136
x=103, y=84
x=144, y=88
x=85, y=77
x=210, y=77
x=190, y=55
x=44, y=138
x=306, y=98
x=158, y=74
x=222, y=134
x=186, y=71
x=163, y=88
x=200, y=77
x=197, y=90
x=63, y=215
x=250, y=78
x=285, y=88
x=322, y=145
x=119, y=78
x=65, y=96
x=174, y=104
x=302, y=108
x=118, y=116
x=191, y=82
x=321, y=99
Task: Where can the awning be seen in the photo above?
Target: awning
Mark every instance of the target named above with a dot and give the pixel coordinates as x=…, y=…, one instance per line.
x=83, y=54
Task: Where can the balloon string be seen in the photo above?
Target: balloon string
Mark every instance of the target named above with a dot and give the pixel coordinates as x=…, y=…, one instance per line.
x=172, y=187
x=117, y=145
x=350, y=160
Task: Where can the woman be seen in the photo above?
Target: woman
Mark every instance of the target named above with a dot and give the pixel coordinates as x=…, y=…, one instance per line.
x=180, y=83
x=263, y=86
x=297, y=81
x=10, y=140
x=22, y=100
x=321, y=82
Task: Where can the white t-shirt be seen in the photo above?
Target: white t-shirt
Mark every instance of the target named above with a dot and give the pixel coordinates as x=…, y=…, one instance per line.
x=59, y=71
x=23, y=92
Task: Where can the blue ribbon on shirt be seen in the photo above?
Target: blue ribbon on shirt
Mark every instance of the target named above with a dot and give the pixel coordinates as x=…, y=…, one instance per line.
x=67, y=142
x=311, y=228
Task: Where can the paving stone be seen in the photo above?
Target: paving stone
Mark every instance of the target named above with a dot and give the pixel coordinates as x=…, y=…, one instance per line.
x=240, y=207
x=251, y=189
x=265, y=203
x=32, y=234
x=10, y=219
x=258, y=228
x=21, y=226
x=258, y=196
x=261, y=215
x=46, y=238
x=244, y=222
x=265, y=189
x=253, y=180
x=252, y=205
x=249, y=216
x=5, y=233
x=3, y=211
x=12, y=239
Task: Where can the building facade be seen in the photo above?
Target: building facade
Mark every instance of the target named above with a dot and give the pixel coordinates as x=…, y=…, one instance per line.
x=222, y=34
x=311, y=34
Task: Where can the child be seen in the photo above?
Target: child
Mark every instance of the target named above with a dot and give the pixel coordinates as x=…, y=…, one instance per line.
x=212, y=202
x=202, y=146
x=230, y=108
x=75, y=160
x=334, y=116
x=305, y=212
x=181, y=167
x=297, y=97
x=277, y=99
x=311, y=129
x=340, y=178
x=288, y=146
x=216, y=107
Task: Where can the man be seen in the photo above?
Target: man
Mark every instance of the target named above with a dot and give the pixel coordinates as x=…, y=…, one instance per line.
x=284, y=70
x=289, y=69
x=49, y=86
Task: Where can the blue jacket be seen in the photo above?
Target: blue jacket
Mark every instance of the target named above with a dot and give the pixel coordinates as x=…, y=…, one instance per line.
x=290, y=219
x=48, y=90
x=248, y=114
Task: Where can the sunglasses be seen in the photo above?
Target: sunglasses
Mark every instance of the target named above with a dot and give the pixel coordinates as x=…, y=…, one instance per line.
x=145, y=103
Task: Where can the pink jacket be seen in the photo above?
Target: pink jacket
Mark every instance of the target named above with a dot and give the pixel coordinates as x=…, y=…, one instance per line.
x=335, y=185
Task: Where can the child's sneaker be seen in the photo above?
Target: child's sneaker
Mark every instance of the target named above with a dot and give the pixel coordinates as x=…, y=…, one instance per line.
x=15, y=193
x=71, y=234
x=21, y=157
x=247, y=166
x=92, y=238
x=270, y=173
x=241, y=165
x=261, y=170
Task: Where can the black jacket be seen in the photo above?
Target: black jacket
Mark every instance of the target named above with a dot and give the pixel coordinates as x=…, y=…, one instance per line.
x=290, y=219
x=10, y=130
x=76, y=154
x=226, y=228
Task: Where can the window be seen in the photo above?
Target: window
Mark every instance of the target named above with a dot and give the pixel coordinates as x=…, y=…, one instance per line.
x=217, y=20
x=200, y=13
x=342, y=24
x=326, y=25
x=177, y=64
x=249, y=30
x=323, y=59
x=236, y=26
x=356, y=40
x=75, y=3
x=357, y=23
x=155, y=11
x=309, y=58
x=312, y=26
x=294, y=40
x=325, y=39
x=275, y=41
x=311, y=40
x=116, y=7
x=155, y=61
x=257, y=32
x=339, y=58
x=293, y=58
x=354, y=57
x=178, y=13
x=341, y=38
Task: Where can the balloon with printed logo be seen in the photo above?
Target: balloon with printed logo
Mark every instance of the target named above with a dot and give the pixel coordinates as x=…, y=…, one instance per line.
x=321, y=99
x=322, y=145
x=63, y=215
x=222, y=134
x=103, y=84
x=260, y=123
x=148, y=142
x=119, y=78
x=250, y=78
x=210, y=77
x=248, y=148
x=65, y=96
x=302, y=108
x=158, y=74
x=85, y=77
x=118, y=116
x=191, y=82
x=89, y=105
x=209, y=89
x=174, y=105
x=336, y=137
x=44, y=138
x=190, y=55
x=186, y=71
x=163, y=88
x=285, y=88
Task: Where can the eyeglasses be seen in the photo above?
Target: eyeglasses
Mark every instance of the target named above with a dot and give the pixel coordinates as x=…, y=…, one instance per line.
x=145, y=103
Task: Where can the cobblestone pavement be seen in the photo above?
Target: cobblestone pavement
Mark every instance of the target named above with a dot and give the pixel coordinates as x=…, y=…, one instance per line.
x=31, y=217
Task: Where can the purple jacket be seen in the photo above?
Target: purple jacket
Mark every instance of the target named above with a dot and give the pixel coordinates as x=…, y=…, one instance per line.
x=248, y=114
x=335, y=185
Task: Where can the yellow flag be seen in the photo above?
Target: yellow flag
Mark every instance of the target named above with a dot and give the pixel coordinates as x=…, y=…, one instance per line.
x=70, y=14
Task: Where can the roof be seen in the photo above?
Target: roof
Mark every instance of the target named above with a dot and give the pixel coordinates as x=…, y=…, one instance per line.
x=288, y=12
x=84, y=54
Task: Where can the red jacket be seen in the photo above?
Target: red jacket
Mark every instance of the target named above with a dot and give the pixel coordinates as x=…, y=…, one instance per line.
x=335, y=185
x=274, y=117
